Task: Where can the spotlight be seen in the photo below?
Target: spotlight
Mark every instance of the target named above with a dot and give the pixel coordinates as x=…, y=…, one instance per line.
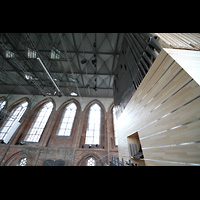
x=95, y=88
x=73, y=94
x=59, y=95
x=83, y=61
x=94, y=61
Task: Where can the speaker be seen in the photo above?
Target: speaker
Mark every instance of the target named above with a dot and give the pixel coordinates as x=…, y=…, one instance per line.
x=83, y=61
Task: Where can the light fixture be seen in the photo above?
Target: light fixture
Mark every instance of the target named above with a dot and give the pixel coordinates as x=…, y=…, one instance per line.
x=95, y=88
x=73, y=94
x=83, y=61
x=27, y=76
x=59, y=94
x=94, y=61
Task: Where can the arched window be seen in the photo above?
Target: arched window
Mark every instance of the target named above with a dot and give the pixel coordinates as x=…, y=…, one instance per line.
x=22, y=161
x=14, y=116
x=66, y=124
x=114, y=126
x=91, y=162
x=39, y=123
x=94, y=125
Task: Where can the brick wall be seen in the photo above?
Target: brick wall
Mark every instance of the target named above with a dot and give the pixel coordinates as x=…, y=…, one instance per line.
x=53, y=147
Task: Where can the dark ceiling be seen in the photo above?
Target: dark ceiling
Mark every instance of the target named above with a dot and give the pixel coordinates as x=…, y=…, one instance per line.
x=59, y=63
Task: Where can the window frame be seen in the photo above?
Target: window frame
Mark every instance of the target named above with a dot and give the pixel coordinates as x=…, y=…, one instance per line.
x=17, y=117
x=55, y=54
x=61, y=121
x=31, y=53
x=31, y=130
x=93, y=130
x=2, y=107
x=114, y=126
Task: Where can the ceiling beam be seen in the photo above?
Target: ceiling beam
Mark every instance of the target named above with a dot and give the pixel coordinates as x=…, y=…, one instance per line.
x=19, y=71
x=81, y=87
x=77, y=57
x=15, y=68
x=58, y=71
x=74, y=51
x=113, y=60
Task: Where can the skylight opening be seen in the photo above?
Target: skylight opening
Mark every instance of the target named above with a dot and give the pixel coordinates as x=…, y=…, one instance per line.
x=9, y=54
x=31, y=53
x=55, y=54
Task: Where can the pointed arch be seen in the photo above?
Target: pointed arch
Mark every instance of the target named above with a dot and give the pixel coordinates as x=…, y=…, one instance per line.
x=93, y=102
x=98, y=143
x=17, y=111
x=87, y=156
x=62, y=107
x=62, y=111
x=38, y=125
x=67, y=120
x=93, y=131
x=15, y=158
x=65, y=140
x=31, y=132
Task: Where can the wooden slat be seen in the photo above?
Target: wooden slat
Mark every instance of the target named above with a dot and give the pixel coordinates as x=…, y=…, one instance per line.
x=163, y=67
x=184, y=115
x=182, y=153
x=189, y=41
x=163, y=111
x=139, y=110
x=175, y=136
x=150, y=73
x=188, y=60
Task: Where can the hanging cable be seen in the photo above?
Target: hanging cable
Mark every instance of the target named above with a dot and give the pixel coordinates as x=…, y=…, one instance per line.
x=85, y=66
x=45, y=69
x=71, y=69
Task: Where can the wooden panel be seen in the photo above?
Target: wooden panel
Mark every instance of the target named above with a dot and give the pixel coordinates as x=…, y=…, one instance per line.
x=164, y=111
x=183, y=153
x=174, y=136
x=189, y=41
x=150, y=73
x=188, y=60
